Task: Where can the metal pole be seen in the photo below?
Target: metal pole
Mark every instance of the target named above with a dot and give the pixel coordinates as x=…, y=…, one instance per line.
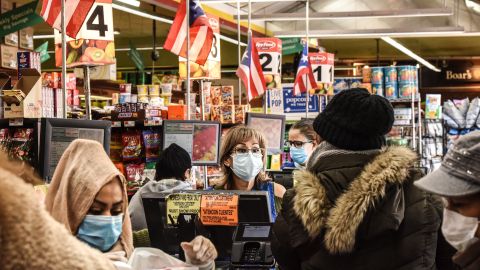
x=307, y=25
x=188, y=59
x=249, y=39
x=64, y=59
x=202, y=100
x=239, y=53
x=86, y=90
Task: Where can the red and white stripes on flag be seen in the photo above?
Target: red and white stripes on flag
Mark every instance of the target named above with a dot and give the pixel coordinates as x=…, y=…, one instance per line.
x=201, y=34
x=304, y=80
x=251, y=70
x=76, y=12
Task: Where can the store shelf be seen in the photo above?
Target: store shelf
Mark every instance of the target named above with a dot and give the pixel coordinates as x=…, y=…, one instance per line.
x=137, y=123
x=402, y=100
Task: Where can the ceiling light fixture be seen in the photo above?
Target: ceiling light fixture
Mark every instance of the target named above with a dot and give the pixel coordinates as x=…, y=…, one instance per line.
x=43, y=36
x=134, y=3
x=116, y=32
x=160, y=19
x=408, y=52
x=377, y=33
x=405, y=13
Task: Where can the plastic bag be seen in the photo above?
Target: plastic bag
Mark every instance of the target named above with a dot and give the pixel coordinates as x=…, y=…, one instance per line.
x=452, y=111
x=472, y=113
x=132, y=146
x=462, y=105
x=450, y=122
x=151, y=139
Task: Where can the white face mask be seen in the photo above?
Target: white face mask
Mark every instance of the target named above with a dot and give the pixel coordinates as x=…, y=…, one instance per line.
x=459, y=230
x=247, y=166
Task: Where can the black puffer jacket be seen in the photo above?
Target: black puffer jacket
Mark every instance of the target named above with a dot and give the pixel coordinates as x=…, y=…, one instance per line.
x=359, y=211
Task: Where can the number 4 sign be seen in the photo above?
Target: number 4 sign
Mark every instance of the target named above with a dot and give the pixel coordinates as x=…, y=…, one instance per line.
x=322, y=66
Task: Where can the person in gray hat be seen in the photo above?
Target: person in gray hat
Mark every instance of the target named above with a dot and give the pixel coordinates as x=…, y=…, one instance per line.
x=458, y=182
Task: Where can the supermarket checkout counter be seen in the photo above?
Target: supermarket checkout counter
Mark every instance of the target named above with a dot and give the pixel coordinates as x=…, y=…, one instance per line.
x=245, y=246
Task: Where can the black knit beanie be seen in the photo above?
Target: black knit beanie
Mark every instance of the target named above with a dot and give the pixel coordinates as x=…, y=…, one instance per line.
x=173, y=162
x=355, y=120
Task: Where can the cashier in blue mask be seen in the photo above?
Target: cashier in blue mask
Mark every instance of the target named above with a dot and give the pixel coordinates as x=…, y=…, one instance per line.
x=242, y=157
x=302, y=140
x=88, y=195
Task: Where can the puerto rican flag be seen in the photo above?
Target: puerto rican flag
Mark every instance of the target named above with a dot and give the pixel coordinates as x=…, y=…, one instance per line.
x=201, y=33
x=304, y=72
x=76, y=12
x=251, y=70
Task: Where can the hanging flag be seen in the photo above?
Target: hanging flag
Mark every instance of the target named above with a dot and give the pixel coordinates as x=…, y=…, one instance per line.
x=250, y=69
x=42, y=49
x=76, y=12
x=304, y=79
x=201, y=33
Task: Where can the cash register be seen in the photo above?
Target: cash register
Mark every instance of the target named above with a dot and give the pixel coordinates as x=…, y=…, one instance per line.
x=251, y=247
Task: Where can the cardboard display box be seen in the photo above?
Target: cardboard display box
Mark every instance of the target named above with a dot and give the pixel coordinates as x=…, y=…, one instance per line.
x=30, y=106
x=8, y=56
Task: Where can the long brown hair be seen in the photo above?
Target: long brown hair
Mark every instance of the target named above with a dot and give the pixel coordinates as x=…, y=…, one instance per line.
x=236, y=135
x=305, y=127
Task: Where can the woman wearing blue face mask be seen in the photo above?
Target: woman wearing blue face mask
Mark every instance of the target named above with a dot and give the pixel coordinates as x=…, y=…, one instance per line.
x=302, y=140
x=242, y=160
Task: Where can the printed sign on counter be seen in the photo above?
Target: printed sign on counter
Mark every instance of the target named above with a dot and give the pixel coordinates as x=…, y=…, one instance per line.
x=219, y=209
x=270, y=55
x=94, y=45
x=322, y=66
x=182, y=203
x=212, y=68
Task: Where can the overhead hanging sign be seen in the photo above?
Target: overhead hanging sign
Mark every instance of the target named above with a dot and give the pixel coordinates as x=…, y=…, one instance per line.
x=19, y=18
x=219, y=209
x=42, y=49
x=95, y=41
x=212, y=68
x=270, y=55
x=136, y=57
x=322, y=66
x=291, y=46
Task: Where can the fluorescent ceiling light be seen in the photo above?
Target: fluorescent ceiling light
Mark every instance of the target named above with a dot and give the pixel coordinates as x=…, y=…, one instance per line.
x=377, y=33
x=406, y=51
x=405, y=13
x=160, y=19
x=116, y=32
x=43, y=36
x=134, y=3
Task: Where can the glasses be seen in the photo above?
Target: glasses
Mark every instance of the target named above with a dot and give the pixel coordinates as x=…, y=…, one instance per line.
x=256, y=151
x=296, y=144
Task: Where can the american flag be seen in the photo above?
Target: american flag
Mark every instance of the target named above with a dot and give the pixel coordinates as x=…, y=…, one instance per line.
x=251, y=70
x=76, y=12
x=304, y=72
x=201, y=33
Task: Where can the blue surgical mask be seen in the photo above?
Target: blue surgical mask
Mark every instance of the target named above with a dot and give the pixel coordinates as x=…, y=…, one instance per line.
x=299, y=155
x=247, y=166
x=100, y=232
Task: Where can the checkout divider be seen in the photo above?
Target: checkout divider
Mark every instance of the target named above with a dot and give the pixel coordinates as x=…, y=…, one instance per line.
x=239, y=223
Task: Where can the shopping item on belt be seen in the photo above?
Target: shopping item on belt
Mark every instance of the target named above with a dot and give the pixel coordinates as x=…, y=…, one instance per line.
x=472, y=113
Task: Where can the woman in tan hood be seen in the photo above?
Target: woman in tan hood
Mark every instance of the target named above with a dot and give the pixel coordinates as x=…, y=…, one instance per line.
x=88, y=195
x=29, y=237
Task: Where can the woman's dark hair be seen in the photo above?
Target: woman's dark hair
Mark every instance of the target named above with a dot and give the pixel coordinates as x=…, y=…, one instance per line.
x=173, y=162
x=305, y=127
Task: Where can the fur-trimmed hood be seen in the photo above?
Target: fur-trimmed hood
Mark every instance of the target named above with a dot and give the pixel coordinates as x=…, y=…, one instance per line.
x=340, y=220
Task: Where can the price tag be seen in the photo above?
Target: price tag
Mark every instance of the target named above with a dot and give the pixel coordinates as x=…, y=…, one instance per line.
x=129, y=123
x=270, y=54
x=322, y=66
x=116, y=124
x=16, y=122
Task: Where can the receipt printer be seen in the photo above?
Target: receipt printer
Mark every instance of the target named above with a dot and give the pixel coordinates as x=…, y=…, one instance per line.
x=251, y=246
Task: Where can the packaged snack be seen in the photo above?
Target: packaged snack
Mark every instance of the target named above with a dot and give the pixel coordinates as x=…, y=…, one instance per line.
x=134, y=174
x=4, y=134
x=239, y=114
x=216, y=95
x=228, y=116
x=227, y=95
x=216, y=113
x=154, y=90
x=132, y=146
x=21, y=145
x=151, y=139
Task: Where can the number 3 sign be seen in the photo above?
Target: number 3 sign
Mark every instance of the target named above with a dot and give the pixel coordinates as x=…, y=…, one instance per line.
x=322, y=66
x=94, y=43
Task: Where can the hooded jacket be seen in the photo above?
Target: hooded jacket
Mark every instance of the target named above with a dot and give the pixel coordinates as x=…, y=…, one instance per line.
x=82, y=171
x=29, y=237
x=357, y=210
x=135, y=208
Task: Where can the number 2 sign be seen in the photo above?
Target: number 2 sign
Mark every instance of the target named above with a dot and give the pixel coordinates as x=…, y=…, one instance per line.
x=322, y=66
x=270, y=54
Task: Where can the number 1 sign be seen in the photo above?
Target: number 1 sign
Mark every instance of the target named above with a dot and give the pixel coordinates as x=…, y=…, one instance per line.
x=94, y=44
x=322, y=66
x=270, y=54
